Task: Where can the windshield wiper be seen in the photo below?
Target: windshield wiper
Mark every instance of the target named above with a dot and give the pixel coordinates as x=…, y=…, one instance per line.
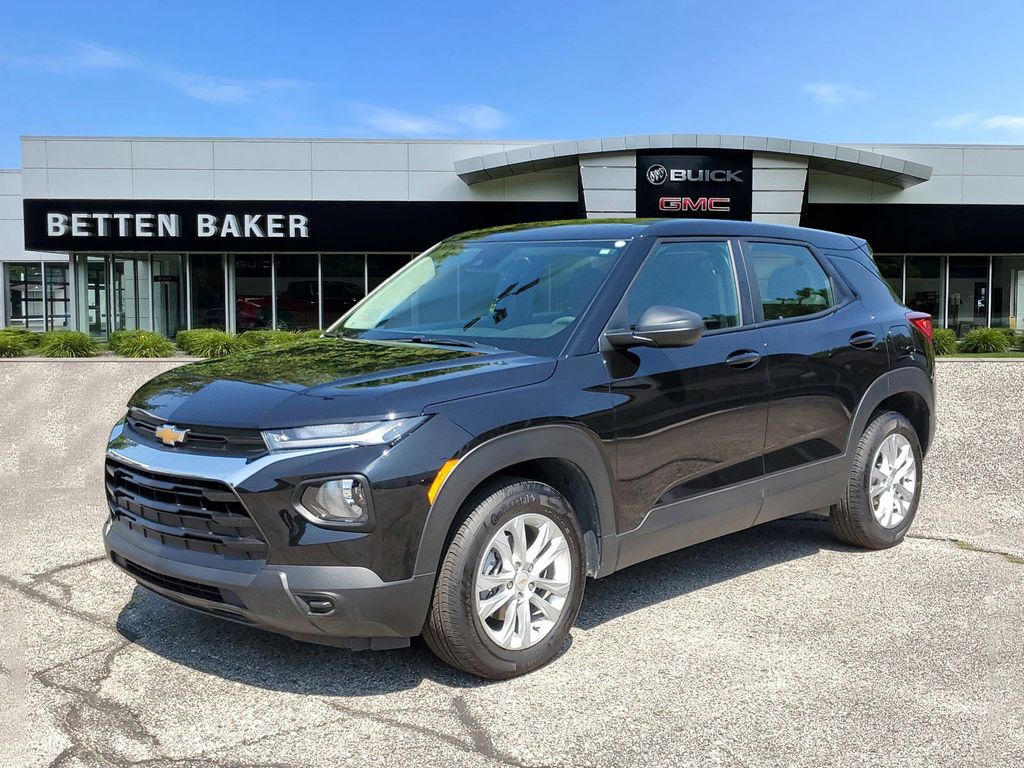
x=441, y=341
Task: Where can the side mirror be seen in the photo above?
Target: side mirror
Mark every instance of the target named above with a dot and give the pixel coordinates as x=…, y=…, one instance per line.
x=661, y=326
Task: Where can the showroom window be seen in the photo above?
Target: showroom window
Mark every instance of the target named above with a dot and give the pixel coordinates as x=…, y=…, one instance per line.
x=1008, y=292
x=25, y=302
x=38, y=295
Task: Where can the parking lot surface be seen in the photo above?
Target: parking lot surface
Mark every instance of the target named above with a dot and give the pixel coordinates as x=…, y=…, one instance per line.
x=773, y=647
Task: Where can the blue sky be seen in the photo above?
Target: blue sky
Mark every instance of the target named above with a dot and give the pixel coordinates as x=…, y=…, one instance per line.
x=867, y=71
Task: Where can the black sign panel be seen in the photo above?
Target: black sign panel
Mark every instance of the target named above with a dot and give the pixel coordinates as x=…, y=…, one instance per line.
x=708, y=185
x=265, y=226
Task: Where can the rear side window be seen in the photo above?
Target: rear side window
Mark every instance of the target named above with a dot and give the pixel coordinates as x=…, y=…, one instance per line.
x=691, y=275
x=790, y=280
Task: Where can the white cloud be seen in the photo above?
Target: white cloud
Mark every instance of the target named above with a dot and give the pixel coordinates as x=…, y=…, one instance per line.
x=85, y=55
x=977, y=122
x=462, y=118
x=1007, y=123
x=962, y=120
x=835, y=94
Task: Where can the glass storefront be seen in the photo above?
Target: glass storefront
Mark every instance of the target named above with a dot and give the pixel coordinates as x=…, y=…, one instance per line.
x=925, y=285
x=968, y=294
x=207, y=289
x=297, y=284
x=1008, y=292
x=25, y=298
x=168, y=292
x=253, y=291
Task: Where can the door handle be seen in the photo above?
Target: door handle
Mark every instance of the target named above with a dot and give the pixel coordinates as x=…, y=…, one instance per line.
x=863, y=340
x=744, y=358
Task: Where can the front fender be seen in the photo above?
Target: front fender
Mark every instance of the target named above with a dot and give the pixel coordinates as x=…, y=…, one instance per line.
x=551, y=441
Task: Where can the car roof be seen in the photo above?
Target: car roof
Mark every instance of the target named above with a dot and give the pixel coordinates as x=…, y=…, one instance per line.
x=615, y=229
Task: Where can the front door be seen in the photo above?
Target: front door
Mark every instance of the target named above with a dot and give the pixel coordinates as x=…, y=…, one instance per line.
x=690, y=422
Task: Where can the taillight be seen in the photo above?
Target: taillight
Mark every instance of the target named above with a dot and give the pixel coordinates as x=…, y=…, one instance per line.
x=922, y=321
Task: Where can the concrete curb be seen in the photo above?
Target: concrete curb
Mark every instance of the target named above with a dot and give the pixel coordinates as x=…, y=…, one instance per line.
x=100, y=359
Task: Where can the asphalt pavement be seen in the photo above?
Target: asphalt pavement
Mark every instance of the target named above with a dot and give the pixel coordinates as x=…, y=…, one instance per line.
x=772, y=647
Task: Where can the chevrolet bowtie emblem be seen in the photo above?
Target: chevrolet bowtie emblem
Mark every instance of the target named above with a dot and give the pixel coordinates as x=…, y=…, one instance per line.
x=171, y=435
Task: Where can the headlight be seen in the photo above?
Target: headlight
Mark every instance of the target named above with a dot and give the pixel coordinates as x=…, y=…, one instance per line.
x=352, y=433
x=345, y=500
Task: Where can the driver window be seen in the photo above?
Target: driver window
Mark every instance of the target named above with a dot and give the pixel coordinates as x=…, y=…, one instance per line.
x=694, y=276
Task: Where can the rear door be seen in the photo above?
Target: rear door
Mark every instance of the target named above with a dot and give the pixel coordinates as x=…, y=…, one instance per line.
x=690, y=422
x=824, y=349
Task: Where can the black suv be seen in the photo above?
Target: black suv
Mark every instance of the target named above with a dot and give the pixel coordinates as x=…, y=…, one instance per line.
x=514, y=411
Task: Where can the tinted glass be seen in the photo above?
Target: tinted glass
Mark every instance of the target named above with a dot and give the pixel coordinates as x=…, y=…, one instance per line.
x=58, y=296
x=252, y=291
x=790, y=280
x=694, y=276
x=207, y=290
x=297, y=291
x=1008, y=292
x=25, y=295
x=524, y=296
x=925, y=284
x=891, y=270
x=967, y=307
x=344, y=283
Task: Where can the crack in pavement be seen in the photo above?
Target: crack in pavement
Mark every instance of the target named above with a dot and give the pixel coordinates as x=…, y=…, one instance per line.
x=969, y=546
x=1010, y=557
x=50, y=576
x=482, y=741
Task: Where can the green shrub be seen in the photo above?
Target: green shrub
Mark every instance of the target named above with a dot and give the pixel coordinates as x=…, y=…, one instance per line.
x=142, y=344
x=68, y=344
x=208, y=342
x=314, y=333
x=984, y=340
x=13, y=345
x=30, y=339
x=264, y=338
x=944, y=340
x=119, y=339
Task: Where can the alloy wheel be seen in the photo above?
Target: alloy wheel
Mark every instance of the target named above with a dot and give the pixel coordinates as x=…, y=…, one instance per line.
x=522, y=581
x=893, y=480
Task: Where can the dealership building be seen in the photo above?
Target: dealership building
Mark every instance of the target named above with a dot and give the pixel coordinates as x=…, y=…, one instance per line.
x=101, y=234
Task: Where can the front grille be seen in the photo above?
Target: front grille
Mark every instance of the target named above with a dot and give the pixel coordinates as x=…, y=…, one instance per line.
x=171, y=583
x=236, y=442
x=197, y=515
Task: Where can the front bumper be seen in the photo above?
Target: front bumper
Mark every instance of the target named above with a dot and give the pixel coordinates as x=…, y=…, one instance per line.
x=331, y=587
x=333, y=605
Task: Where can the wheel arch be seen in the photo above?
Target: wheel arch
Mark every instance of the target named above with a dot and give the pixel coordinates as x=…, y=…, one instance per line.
x=564, y=456
x=908, y=391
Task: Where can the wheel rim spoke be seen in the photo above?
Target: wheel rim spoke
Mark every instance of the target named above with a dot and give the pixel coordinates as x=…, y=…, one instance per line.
x=893, y=480
x=523, y=635
x=550, y=612
x=552, y=586
x=523, y=581
x=492, y=605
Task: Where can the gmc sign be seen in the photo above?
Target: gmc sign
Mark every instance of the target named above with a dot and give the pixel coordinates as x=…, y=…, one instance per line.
x=706, y=185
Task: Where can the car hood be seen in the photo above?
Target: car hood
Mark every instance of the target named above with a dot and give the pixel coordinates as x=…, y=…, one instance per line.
x=323, y=380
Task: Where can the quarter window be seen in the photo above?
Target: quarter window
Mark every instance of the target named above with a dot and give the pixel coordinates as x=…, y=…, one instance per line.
x=694, y=276
x=790, y=280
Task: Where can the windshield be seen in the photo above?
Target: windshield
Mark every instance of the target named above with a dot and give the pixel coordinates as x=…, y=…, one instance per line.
x=522, y=296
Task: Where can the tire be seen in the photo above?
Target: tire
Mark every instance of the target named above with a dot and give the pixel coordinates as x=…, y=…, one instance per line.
x=472, y=567
x=883, y=522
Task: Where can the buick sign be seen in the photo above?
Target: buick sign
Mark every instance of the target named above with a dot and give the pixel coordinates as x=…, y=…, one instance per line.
x=709, y=185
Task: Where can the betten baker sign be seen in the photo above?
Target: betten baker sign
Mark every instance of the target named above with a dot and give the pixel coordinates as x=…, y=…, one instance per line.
x=694, y=185
x=264, y=226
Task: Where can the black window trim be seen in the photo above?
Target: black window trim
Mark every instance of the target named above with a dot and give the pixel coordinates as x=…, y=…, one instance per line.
x=744, y=305
x=842, y=293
